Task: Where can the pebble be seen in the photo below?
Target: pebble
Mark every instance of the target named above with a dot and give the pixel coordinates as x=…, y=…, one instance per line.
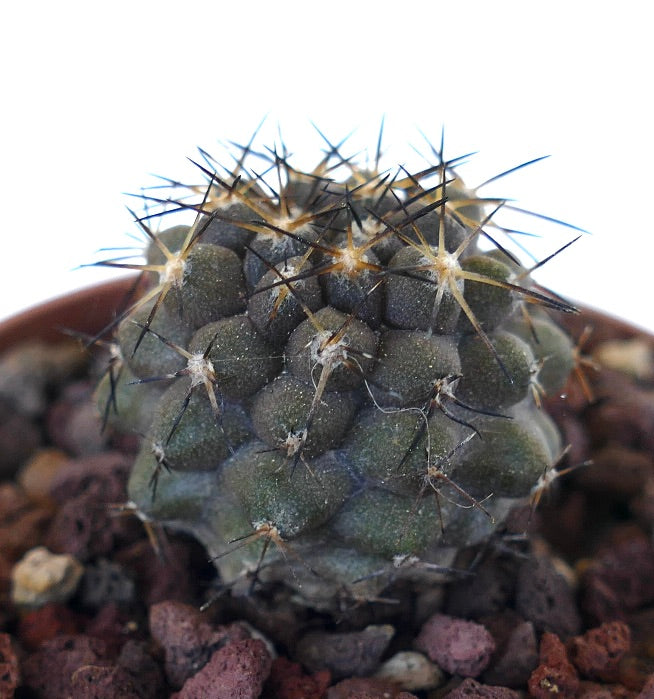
x=41, y=577
x=634, y=357
x=238, y=669
x=544, y=597
x=488, y=591
x=37, y=475
x=516, y=656
x=105, y=581
x=411, y=671
x=459, y=647
x=29, y=369
x=344, y=654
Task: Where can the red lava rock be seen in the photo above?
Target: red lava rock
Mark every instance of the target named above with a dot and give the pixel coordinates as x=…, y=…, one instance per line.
x=472, y=688
x=621, y=577
x=287, y=681
x=188, y=639
x=235, y=671
x=624, y=413
x=364, y=688
x=113, y=625
x=103, y=682
x=647, y=691
x=635, y=671
x=84, y=525
x=103, y=475
x=48, y=672
x=555, y=676
x=459, y=647
x=135, y=676
x=623, y=568
x=516, y=655
x=592, y=690
x=544, y=597
x=344, y=654
x=47, y=622
x=9, y=668
x=597, y=654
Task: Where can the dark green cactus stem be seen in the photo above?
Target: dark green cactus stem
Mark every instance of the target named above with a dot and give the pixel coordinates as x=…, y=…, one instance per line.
x=332, y=376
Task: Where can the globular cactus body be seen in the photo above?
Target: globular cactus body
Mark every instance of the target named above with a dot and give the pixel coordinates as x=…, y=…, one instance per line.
x=348, y=381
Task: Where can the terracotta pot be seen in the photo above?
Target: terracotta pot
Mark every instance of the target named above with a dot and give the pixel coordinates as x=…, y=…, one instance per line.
x=571, y=523
x=84, y=311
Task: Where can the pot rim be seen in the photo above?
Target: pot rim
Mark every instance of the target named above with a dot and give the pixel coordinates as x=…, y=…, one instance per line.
x=91, y=308
x=85, y=310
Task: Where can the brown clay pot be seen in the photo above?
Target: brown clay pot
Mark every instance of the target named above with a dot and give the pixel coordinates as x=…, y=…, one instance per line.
x=90, y=310
x=85, y=311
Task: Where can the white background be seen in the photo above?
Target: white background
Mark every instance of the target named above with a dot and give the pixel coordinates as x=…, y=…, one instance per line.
x=97, y=96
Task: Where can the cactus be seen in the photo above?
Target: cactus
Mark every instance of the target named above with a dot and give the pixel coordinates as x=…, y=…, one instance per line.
x=336, y=383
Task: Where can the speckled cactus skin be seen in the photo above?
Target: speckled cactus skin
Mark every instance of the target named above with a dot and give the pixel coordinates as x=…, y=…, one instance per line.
x=336, y=384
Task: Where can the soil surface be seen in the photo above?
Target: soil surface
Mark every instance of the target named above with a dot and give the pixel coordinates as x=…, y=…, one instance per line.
x=560, y=604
